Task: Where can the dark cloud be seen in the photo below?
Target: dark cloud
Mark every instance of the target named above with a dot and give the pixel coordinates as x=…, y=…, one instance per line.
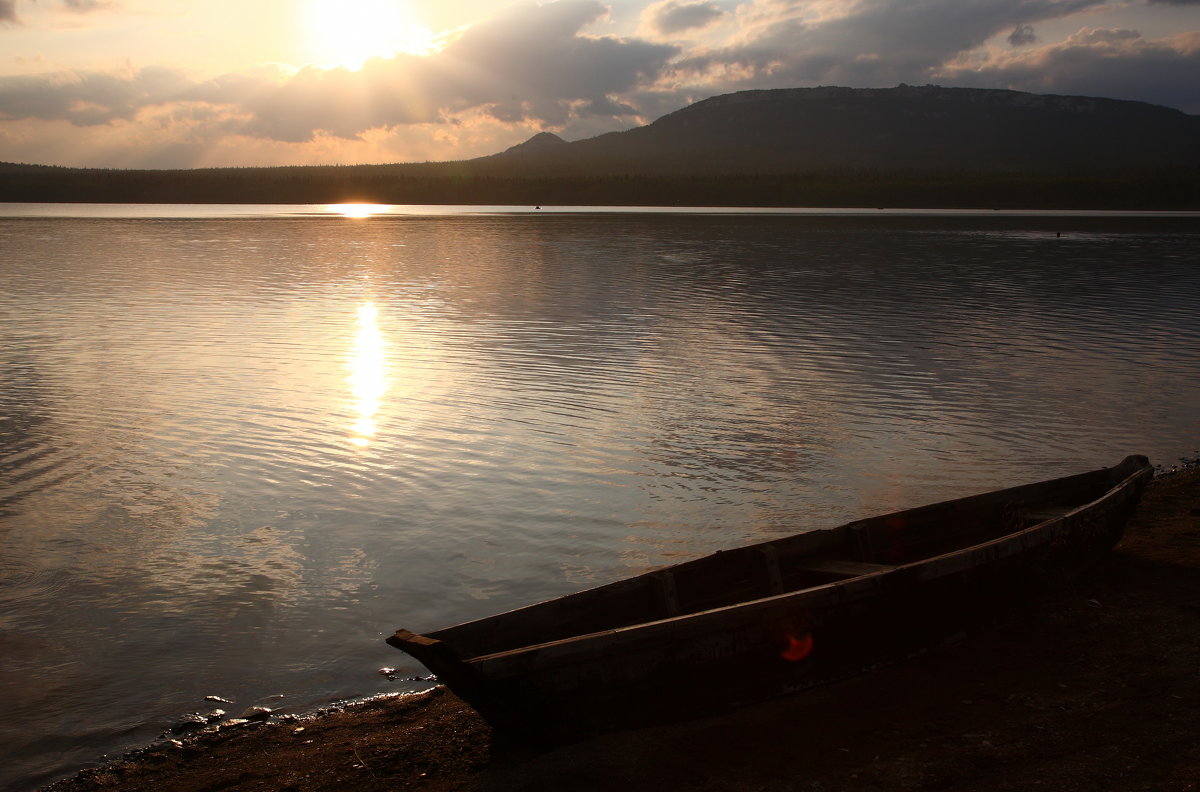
x=1174, y=2
x=673, y=16
x=529, y=64
x=1022, y=36
x=537, y=53
x=1117, y=64
x=875, y=42
x=8, y=11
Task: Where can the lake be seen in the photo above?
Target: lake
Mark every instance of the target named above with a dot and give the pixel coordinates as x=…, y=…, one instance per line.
x=239, y=446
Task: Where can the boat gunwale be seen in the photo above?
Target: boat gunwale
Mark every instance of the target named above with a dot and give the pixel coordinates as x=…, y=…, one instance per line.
x=449, y=632
x=851, y=588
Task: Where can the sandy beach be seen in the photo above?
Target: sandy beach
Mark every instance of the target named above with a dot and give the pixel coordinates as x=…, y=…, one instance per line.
x=1092, y=685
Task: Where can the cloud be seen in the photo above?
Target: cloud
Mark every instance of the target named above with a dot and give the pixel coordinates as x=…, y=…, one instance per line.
x=870, y=42
x=1087, y=37
x=1022, y=35
x=879, y=43
x=538, y=67
x=530, y=64
x=86, y=6
x=1113, y=63
x=537, y=53
x=8, y=8
x=672, y=16
x=89, y=98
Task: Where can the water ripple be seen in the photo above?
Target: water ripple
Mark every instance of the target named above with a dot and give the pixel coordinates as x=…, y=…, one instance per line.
x=272, y=437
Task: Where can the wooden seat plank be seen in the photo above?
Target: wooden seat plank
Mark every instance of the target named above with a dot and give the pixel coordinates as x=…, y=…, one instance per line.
x=836, y=566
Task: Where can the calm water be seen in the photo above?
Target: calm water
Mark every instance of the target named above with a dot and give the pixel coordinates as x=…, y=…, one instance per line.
x=239, y=446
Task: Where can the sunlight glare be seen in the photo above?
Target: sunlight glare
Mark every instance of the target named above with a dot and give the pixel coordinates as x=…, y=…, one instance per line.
x=346, y=33
x=357, y=209
x=368, y=378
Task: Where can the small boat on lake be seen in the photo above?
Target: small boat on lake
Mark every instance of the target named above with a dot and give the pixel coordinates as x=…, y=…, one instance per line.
x=762, y=620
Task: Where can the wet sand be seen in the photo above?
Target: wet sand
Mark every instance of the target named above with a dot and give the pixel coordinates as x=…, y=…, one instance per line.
x=1093, y=684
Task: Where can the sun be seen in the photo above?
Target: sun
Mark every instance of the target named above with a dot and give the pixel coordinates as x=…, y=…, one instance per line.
x=347, y=32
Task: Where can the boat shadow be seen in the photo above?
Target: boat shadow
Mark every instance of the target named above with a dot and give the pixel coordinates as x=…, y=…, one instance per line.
x=1008, y=693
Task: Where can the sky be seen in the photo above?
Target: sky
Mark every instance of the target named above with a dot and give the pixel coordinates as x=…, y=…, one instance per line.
x=204, y=83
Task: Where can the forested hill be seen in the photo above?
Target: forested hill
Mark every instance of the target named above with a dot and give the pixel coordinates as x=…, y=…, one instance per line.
x=927, y=128
x=904, y=146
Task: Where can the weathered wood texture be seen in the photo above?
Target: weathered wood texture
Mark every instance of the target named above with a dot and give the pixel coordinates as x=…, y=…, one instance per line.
x=761, y=620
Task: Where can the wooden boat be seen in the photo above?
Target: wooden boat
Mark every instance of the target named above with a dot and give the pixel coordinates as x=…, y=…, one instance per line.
x=762, y=620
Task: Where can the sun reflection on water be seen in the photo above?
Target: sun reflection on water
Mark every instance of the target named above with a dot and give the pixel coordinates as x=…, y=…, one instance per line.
x=367, y=374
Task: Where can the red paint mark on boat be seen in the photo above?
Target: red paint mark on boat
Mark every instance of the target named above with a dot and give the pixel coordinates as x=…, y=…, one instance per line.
x=797, y=648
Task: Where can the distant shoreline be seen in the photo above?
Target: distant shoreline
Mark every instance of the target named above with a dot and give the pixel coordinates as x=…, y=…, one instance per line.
x=231, y=210
x=448, y=184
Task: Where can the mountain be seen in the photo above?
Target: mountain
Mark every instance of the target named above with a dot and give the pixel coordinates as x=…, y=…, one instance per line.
x=542, y=141
x=905, y=128
x=903, y=146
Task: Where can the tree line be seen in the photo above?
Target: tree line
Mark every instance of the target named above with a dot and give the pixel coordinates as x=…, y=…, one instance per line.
x=464, y=183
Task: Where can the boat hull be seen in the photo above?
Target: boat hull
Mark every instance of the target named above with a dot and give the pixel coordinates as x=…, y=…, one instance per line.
x=700, y=662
